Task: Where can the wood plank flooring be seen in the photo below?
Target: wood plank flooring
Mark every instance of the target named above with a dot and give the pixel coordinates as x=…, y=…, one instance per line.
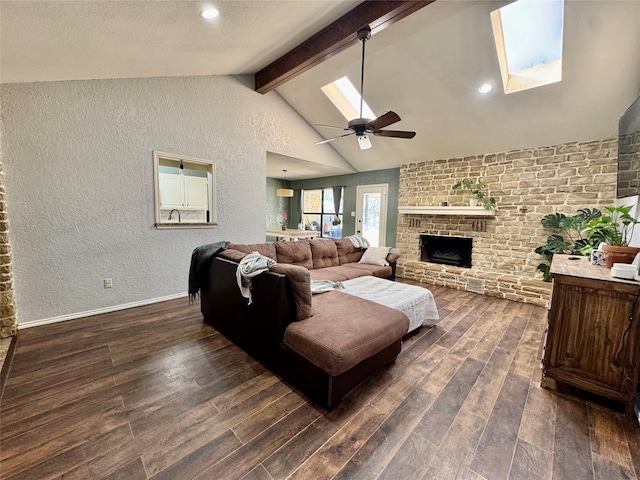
x=153, y=392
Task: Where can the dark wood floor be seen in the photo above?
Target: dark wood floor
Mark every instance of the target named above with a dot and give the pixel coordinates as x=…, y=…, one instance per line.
x=152, y=392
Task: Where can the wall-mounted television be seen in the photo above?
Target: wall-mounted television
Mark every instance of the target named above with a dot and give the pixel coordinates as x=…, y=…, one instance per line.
x=629, y=151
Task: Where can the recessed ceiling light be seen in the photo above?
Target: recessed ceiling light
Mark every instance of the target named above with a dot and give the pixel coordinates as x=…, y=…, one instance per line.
x=485, y=88
x=209, y=13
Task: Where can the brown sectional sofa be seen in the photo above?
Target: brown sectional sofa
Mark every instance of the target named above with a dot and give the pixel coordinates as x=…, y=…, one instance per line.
x=324, y=345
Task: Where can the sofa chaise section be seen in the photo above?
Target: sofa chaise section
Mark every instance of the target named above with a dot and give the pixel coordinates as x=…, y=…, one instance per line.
x=324, y=346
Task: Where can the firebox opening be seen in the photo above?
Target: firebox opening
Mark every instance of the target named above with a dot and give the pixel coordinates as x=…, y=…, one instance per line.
x=446, y=250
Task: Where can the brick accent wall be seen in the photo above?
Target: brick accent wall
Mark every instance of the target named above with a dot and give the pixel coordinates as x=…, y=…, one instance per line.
x=629, y=158
x=8, y=323
x=527, y=184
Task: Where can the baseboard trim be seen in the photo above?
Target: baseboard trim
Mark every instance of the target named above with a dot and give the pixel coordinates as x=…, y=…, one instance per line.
x=98, y=311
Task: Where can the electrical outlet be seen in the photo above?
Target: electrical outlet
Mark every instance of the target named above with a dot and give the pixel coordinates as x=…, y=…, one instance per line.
x=108, y=283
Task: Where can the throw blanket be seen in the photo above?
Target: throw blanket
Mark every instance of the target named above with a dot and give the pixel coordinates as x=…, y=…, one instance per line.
x=358, y=241
x=415, y=302
x=321, y=286
x=201, y=259
x=250, y=266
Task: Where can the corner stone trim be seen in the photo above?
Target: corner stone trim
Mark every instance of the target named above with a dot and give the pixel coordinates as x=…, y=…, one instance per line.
x=8, y=320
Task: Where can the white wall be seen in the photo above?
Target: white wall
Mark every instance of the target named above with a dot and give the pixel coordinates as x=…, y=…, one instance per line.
x=79, y=179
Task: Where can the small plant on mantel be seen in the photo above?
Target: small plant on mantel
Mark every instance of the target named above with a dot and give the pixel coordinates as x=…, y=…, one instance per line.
x=477, y=193
x=567, y=237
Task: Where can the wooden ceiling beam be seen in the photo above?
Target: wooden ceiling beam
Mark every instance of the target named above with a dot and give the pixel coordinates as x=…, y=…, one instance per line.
x=333, y=39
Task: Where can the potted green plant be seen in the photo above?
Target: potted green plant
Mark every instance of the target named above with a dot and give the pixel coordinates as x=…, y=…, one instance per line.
x=615, y=231
x=567, y=236
x=477, y=193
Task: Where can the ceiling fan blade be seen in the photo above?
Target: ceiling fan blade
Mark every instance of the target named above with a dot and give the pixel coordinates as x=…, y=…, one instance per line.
x=383, y=120
x=334, y=138
x=329, y=126
x=394, y=133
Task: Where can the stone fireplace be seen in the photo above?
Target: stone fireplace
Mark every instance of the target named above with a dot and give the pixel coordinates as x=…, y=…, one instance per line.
x=446, y=250
x=527, y=184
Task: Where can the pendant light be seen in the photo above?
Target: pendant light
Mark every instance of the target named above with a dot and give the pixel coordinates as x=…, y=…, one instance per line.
x=284, y=192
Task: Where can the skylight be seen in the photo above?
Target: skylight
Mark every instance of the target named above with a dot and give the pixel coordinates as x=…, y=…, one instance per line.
x=346, y=98
x=528, y=35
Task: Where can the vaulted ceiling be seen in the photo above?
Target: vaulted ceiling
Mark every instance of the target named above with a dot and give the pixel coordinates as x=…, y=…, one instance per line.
x=426, y=67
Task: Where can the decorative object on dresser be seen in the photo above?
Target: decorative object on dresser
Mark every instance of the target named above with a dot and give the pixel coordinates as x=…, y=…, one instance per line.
x=593, y=336
x=615, y=230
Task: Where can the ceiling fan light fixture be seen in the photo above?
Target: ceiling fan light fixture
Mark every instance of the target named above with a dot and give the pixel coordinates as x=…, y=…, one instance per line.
x=361, y=126
x=364, y=142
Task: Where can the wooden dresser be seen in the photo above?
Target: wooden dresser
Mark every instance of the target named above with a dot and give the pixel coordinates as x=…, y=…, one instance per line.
x=593, y=336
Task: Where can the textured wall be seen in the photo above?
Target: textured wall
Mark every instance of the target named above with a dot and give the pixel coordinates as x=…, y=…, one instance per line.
x=79, y=179
x=276, y=205
x=560, y=178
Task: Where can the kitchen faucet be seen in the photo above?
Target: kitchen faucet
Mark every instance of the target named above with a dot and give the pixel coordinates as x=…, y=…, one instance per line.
x=171, y=213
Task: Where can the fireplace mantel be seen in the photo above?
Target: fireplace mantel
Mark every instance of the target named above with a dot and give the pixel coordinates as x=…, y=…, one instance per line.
x=467, y=211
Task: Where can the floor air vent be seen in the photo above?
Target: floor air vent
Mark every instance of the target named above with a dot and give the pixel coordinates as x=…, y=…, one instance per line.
x=475, y=285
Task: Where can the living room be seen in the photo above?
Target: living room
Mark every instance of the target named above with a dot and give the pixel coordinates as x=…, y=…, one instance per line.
x=79, y=132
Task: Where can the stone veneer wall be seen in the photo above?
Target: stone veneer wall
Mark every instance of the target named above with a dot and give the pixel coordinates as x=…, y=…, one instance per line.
x=8, y=322
x=527, y=184
x=629, y=158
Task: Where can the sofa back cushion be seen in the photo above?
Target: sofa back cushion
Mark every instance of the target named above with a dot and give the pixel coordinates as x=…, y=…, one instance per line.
x=324, y=253
x=266, y=249
x=232, y=254
x=294, y=253
x=300, y=282
x=347, y=253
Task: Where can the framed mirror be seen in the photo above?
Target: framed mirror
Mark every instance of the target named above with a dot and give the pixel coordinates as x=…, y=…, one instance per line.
x=185, y=192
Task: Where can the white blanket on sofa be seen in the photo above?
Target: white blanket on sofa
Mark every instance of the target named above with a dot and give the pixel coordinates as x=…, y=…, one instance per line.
x=251, y=265
x=415, y=302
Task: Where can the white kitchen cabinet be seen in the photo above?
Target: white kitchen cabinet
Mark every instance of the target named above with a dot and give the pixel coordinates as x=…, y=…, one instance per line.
x=182, y=192
x=195, y=193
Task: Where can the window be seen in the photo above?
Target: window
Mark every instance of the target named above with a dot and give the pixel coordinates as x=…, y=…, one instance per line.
x=528, y=36
x=346, y=98
x=319, y=212
x=185, y=191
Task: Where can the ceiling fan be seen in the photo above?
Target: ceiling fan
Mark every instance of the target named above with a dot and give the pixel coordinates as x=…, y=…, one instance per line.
x=361, y=127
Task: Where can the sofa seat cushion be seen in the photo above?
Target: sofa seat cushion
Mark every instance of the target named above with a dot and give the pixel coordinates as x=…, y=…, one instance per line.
x=295, y=253
x=344, y=330
x=324, y=253
x=266, y=249
x=367, y=269
x=335, y=274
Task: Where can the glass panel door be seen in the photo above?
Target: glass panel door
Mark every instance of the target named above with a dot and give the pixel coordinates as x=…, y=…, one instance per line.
x=371, y=213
